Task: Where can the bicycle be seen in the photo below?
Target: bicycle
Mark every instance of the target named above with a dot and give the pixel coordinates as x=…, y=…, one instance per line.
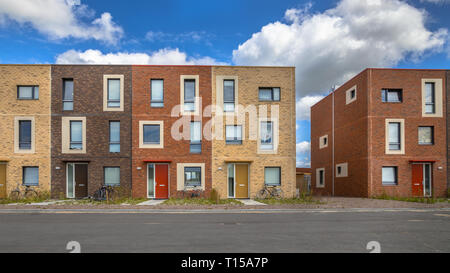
x=194, y=193
x=270, y=192
x=29, y=193
x=105, y=193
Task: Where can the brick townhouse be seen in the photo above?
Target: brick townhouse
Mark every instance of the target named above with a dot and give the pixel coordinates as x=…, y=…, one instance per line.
x=91, y=129
x=171, y=155
x=254, y=130
x=382, y=133
x=24, y=127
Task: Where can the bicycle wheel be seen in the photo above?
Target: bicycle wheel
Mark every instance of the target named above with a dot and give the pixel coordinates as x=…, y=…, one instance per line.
x=15, y=195
x=279, y=193
x=30, y=194
x=262, y=194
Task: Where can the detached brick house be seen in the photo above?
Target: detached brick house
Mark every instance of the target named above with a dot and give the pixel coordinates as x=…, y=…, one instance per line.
x=91, y=128
x=382, y=133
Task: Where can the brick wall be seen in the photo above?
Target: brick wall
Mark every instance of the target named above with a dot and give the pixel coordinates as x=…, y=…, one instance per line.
x=88, y=102
x=10, y=77
x=175, y=151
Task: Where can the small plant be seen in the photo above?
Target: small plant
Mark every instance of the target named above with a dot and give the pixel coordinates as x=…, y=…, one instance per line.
x=214, y=196
x=425, y=200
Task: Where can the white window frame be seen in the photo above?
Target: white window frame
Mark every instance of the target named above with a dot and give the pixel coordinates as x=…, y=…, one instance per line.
x=318, y=178
x=344, y=170
x=321, y=144
x=219, y=92
x=17, y=149
x=348, y=95
x=274, y=137
x=438, y=95
x=197, y=96
x=65, y=135
x=180, y=175
x=141, y=134
x=105, y=93
x=402, y=137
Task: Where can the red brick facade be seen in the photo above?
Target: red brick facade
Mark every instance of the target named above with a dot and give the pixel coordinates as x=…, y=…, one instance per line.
x=174, y=151
x=359, y=135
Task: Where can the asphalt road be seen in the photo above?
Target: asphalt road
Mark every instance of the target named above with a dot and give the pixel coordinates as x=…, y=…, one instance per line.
x=343, y=231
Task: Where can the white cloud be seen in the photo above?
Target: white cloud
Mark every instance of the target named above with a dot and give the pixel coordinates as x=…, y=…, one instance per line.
x=436, y=1
x=303, y=164
x=330, y=47
x=303, y=106
x=303, y=147
x=161, y=57
x=59, y=19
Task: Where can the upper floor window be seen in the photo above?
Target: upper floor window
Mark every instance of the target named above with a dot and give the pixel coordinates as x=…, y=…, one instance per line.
x=426, y=135
x=76, y=135
x=111, y=176
x=196, y=137
x=30, y=176
x=391, y=95
x=269, y=94
x=25, y=134
x=394, y=136
x=189, y=95
x=157, y=93
x=28, y=92
x=233, y=134
x=113, y=93
x=152, y=134
x=323, y=142
x=229, y=95
x=430, y=98
x=67, y=95
x=114, y=136
x=350, y=95
x=266, y=135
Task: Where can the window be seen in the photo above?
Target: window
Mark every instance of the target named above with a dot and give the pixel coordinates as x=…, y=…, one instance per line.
x=189, y=95
x=28, y=92
x=111, y=176
x=426, y=135
x=272, y=176
x=430, y=98
x=67, y=95
x=269, y=94
x=342, y=170
x=266, y=135
x=320, y=178
x=192, y=176
x=30, y=176
x=394, y=136
x=157, y=93
x=114, y=136
x=391, y=95
x=323, y=142
x=389, y=176
x=350, y=95
x=76, y=135
x=228, y=95
x=233, y=134
x=25, y=134
x=196, y=137
x=113, y=93
x=152, y=134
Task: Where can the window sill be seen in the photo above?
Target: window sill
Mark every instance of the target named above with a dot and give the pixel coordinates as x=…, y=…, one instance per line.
x=389, y=185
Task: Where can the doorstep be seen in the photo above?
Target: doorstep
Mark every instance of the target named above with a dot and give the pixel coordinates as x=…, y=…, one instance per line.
x=151, y=202
x=250, y=202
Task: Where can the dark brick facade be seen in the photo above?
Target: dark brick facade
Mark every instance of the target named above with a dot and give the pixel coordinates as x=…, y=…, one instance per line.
x=174, y=151
x=88, y=102
x=359, y=136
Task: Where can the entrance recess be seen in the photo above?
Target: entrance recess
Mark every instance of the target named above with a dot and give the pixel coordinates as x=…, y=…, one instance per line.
x=77, y=180
x=238, y=180
x=158, y=181
x=2, y=180
x=421, y=180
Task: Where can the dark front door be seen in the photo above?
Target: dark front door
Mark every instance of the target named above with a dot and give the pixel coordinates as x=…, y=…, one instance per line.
x=2, y=180
x=162, y=181
x=81, y=180
x=417, y=180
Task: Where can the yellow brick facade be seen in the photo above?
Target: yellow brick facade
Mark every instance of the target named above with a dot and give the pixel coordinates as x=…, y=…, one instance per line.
x=39, y=110
x=248, y=80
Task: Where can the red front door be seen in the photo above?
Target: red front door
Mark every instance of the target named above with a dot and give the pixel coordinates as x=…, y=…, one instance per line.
x=162, y=181
x=417, y=180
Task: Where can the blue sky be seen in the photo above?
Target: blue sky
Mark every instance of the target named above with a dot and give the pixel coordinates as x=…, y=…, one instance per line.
x=328, y=41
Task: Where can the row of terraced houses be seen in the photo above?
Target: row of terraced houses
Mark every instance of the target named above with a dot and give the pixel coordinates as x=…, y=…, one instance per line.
x=162, y=131
x=154, y=131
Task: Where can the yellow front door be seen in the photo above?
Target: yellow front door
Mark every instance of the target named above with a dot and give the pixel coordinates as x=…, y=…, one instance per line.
x=2, y=180
x=241, y=180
